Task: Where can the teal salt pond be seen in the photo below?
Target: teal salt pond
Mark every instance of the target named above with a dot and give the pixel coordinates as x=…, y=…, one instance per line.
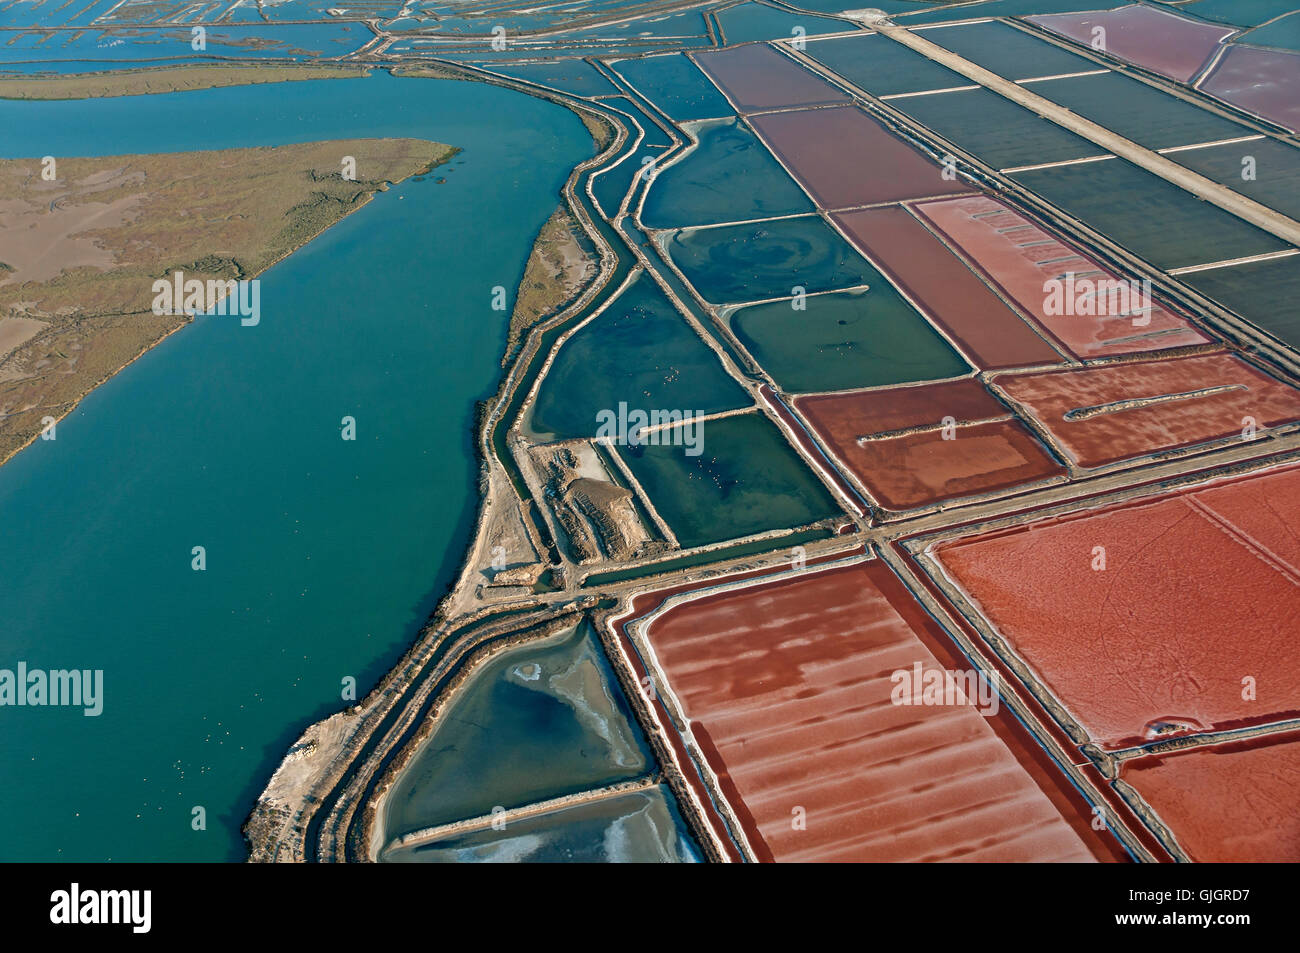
x=727, y=176
x=323, y=556
x=676, y=85
x=610, y=186
x=867, y=338
x=746, y=480
x=757, y=261
x=538, y=721
x=746, y=22
x=639, y=351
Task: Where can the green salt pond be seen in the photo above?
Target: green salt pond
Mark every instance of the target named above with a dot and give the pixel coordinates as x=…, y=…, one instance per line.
x=676, y=85
x=748, y=480
x=996, y=130
x=1136, y=111
x=1153, y=218
x=728, y=177
x=641, y=351
x=879, y=65
x=1262, y=292
x=761, y=260
x=841, y=341
x=574, y=76
x=1274, y=165
x=1007, y=51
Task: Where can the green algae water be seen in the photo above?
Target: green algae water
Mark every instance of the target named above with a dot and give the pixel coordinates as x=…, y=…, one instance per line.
x=323, y=556
x=747, y=480
x=851, y=339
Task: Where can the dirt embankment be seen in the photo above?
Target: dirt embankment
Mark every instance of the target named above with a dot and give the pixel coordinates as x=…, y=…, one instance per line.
x=561, y=264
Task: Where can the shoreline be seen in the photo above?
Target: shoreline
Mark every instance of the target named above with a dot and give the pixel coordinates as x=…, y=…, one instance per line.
x=5, y=457
x=272, y=826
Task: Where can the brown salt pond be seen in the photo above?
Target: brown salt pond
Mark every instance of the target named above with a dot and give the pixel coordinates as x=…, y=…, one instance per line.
x=1115, y=412
x=1263, y=82
x=897, y=408
x=844, y=158
x=955, y=298
x=1157, y=40
x=1145, y=619
x=757, y=77
x=787, y=687
x=1246, y=807
x=1023, y=260
x=983, y=450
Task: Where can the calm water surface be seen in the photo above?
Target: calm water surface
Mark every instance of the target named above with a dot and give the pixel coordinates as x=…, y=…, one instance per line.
x=323, y=556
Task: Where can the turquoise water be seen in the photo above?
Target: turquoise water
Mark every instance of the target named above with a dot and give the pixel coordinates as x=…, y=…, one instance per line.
x=296, y=41
x=609, y=187
x=323, y=556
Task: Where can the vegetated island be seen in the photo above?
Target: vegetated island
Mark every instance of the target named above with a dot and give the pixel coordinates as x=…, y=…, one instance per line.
x=79, y=253
x=163, y=79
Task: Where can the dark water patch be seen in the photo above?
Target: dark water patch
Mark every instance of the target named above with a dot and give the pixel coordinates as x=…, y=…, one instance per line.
x=747, y=480
x=761, y=260
x=536, y=722
x=840, y=341
x=640, y=351
x=728, y=177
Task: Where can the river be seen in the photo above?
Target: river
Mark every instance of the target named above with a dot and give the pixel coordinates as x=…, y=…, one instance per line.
x=323, y=556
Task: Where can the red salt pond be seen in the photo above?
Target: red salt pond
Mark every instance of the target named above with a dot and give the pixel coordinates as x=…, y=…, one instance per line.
x=1246, y=802
x=1105, y=414
x=1263, y=82
x=897, y=408
x=758, y=77
x=844, y=158
x=1157, y=40
x=1147, y=619
x=983, y=450
x=787, y=687
x=954, y=297
x=1027, y=263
